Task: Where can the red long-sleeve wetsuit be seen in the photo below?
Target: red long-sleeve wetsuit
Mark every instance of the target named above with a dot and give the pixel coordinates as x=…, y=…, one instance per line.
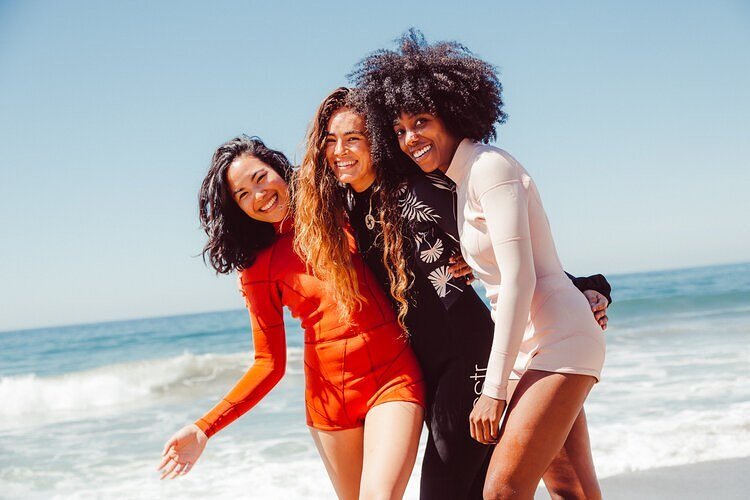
x=349, y=366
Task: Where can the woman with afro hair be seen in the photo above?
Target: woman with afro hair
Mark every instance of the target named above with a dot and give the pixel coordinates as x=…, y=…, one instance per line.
x=437, y=106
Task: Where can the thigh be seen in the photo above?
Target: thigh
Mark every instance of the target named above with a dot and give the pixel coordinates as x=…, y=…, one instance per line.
x=342, y=453
x=391, y=441
x=571, y=473
x=540, y=415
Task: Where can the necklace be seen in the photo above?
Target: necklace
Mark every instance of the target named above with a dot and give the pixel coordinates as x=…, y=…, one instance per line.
x=369, y=219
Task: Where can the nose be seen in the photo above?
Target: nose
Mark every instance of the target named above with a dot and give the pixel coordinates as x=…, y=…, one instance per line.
x=410, y=137
x=338, y=147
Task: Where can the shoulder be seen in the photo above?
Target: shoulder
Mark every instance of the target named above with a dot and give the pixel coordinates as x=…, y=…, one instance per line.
x=492, y=167
x=268, y=260
x=490, y=163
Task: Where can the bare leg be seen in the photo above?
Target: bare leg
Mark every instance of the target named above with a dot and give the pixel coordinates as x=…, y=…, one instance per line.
x=341, y=452
x=540, y=416
x=571, y=475
x=390, y=449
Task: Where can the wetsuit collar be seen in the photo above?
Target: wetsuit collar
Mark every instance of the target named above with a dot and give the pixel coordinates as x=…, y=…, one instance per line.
x=460, y=163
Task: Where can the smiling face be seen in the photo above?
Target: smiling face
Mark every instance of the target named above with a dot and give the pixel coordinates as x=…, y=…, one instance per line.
x=348, y=150
x=425, y=139
x=258, y=189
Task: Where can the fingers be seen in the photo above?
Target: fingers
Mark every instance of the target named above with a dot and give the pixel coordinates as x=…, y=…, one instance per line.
x=475, y=427
x=462, y=270
x=164, y=461
x=459, y=269
x=491, y=430
x=483, y=430
x=603, y=322
x=175, y=469
x=178, y=470
x=172, y=442
x=169, y=468
x=597, y=302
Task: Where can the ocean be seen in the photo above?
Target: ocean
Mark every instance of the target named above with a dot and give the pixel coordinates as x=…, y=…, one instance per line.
x=85, y=410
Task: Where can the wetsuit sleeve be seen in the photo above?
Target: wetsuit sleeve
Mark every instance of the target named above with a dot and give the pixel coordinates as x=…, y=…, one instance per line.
x=501, y=189
x=266, y=315
x=596, y=282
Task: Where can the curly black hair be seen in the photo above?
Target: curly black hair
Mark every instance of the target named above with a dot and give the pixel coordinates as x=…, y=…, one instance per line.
x=444, y=79
x=234, y=238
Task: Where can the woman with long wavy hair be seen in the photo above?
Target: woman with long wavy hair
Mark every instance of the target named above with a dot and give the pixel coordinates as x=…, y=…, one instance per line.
x=364, y=393
x=405, y=228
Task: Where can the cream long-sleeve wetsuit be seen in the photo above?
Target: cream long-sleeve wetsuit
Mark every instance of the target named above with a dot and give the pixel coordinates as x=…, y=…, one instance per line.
x=541, y=321
x=450, y=328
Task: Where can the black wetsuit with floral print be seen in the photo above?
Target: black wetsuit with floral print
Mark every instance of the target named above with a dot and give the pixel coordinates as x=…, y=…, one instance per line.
x=449, y=325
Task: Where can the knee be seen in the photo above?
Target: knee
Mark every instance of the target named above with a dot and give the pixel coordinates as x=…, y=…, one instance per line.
x=562, y=493
x=499, y=490
x=377, y=493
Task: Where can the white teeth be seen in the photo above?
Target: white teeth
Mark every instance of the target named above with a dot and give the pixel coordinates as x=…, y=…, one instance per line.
x=270, y=203
x=420, y=152
x=345, y=164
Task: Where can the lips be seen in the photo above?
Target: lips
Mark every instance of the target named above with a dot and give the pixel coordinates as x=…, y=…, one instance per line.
x=345, y=164
x=417, y=154
x=270, y=203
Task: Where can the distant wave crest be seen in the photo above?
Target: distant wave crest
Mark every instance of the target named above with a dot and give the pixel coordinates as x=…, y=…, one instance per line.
x=111, y=386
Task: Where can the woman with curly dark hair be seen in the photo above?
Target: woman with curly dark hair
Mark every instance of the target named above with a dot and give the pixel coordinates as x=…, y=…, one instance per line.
x=405, y=228
x=438, y=105
x=364, y=394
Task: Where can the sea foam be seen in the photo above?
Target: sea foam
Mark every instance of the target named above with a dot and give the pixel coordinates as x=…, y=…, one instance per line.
x=109, y=388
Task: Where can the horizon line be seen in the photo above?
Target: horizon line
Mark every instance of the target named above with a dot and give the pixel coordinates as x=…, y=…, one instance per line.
x=197, y=313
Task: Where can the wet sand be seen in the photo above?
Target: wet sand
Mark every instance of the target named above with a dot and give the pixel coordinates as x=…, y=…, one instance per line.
x=721, y=479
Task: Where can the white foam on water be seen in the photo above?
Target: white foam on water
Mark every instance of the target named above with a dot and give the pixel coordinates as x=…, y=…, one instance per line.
x=284, y=466
x=679, y=438
x=29, y=399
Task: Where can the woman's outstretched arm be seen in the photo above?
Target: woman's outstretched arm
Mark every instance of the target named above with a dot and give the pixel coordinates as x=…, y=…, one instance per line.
x=266, y=315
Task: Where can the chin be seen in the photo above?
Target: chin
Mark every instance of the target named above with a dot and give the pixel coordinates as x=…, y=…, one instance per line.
x=427, y=168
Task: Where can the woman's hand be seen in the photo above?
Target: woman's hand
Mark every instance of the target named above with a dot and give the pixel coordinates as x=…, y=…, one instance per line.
x=599, y=304
x=459, y=268
x=182, y=451
x=484, y=421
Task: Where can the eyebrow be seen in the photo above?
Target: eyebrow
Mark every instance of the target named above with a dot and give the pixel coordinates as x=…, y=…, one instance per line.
x=348, y=132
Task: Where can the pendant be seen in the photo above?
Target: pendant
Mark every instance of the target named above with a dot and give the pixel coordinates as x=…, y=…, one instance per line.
x=370, y=222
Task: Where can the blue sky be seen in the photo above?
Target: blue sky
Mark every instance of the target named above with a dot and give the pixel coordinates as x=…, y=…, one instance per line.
x=631, y=116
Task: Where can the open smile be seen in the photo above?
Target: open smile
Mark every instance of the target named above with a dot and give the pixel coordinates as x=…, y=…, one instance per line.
x=419, y=153
x=271, y=203
x=345, y=164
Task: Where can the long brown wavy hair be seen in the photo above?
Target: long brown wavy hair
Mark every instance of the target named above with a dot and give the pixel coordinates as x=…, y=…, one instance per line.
x=321, y=217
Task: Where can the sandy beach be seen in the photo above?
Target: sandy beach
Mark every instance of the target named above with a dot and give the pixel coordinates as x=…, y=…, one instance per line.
x=717, y=479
